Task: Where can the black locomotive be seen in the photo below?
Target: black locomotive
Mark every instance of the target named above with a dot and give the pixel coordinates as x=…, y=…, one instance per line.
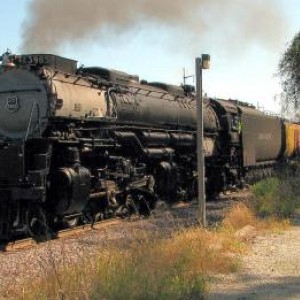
x=90, y=143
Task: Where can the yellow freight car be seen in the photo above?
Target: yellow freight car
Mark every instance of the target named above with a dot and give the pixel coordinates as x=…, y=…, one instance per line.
x=292, y=132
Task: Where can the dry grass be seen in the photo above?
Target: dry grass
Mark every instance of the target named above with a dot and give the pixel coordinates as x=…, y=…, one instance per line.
x=179, y=267
x=238, y=217
x=243, y=215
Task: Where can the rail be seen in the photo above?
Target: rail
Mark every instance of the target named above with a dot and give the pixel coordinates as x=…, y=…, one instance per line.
x=28, y=243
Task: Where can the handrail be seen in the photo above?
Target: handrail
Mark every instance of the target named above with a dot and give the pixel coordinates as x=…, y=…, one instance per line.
x=35, y=104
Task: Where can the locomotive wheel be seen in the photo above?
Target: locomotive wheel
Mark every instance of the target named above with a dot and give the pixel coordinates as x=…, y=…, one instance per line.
x=72, y=222
x=37, y=224
x=144, y=205
x=137, y=204
x=87, y=216
x=91, y=216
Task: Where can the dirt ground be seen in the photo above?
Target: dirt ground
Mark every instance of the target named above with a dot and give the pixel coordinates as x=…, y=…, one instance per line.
x=271, y=270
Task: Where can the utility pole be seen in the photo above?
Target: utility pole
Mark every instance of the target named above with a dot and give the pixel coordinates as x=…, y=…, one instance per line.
x=185, y=77
x=200, y=64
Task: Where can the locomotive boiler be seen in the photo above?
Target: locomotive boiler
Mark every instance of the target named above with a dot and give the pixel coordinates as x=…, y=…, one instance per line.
x=82, y=144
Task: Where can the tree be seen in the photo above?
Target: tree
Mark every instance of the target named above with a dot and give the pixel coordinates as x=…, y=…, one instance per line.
x=289, y=72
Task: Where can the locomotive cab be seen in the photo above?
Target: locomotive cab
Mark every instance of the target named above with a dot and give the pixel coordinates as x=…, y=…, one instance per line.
x=230, y=166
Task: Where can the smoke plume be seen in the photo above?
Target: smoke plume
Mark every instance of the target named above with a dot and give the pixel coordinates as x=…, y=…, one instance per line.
x=51, y=25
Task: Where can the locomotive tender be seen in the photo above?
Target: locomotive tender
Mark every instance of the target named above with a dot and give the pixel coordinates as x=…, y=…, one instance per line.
x=89, y=143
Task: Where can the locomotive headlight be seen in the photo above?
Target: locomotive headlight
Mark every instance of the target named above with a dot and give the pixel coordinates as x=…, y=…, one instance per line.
x=205, y=61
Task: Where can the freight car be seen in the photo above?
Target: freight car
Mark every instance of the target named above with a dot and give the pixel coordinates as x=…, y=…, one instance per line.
x=292, y=132
x=89, y=143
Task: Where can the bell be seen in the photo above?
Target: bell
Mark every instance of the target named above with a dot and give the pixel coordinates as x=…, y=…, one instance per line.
x=7, y=62
x=8, y=65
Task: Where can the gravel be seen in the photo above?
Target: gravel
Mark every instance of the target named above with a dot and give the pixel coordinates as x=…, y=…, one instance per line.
x=271, y=270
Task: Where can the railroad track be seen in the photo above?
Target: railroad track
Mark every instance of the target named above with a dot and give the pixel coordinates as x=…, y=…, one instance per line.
x=28, y=243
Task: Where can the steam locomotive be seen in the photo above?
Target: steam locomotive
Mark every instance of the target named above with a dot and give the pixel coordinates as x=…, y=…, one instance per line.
x=83, y=144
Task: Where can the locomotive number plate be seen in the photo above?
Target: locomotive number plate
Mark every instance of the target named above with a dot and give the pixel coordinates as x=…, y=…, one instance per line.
x=12, y=104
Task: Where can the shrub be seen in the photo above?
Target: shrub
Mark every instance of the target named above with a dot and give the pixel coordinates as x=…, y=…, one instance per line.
x=278, y=196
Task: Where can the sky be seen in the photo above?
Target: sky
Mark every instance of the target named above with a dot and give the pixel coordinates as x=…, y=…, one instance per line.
x=155, y=52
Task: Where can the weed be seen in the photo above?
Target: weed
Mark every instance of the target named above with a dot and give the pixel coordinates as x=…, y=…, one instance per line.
x=278, y=197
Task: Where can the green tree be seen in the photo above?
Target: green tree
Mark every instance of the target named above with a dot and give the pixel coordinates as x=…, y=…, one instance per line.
x=289, y=72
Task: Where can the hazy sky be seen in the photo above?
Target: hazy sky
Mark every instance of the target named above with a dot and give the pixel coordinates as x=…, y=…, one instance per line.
x=244, y=48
